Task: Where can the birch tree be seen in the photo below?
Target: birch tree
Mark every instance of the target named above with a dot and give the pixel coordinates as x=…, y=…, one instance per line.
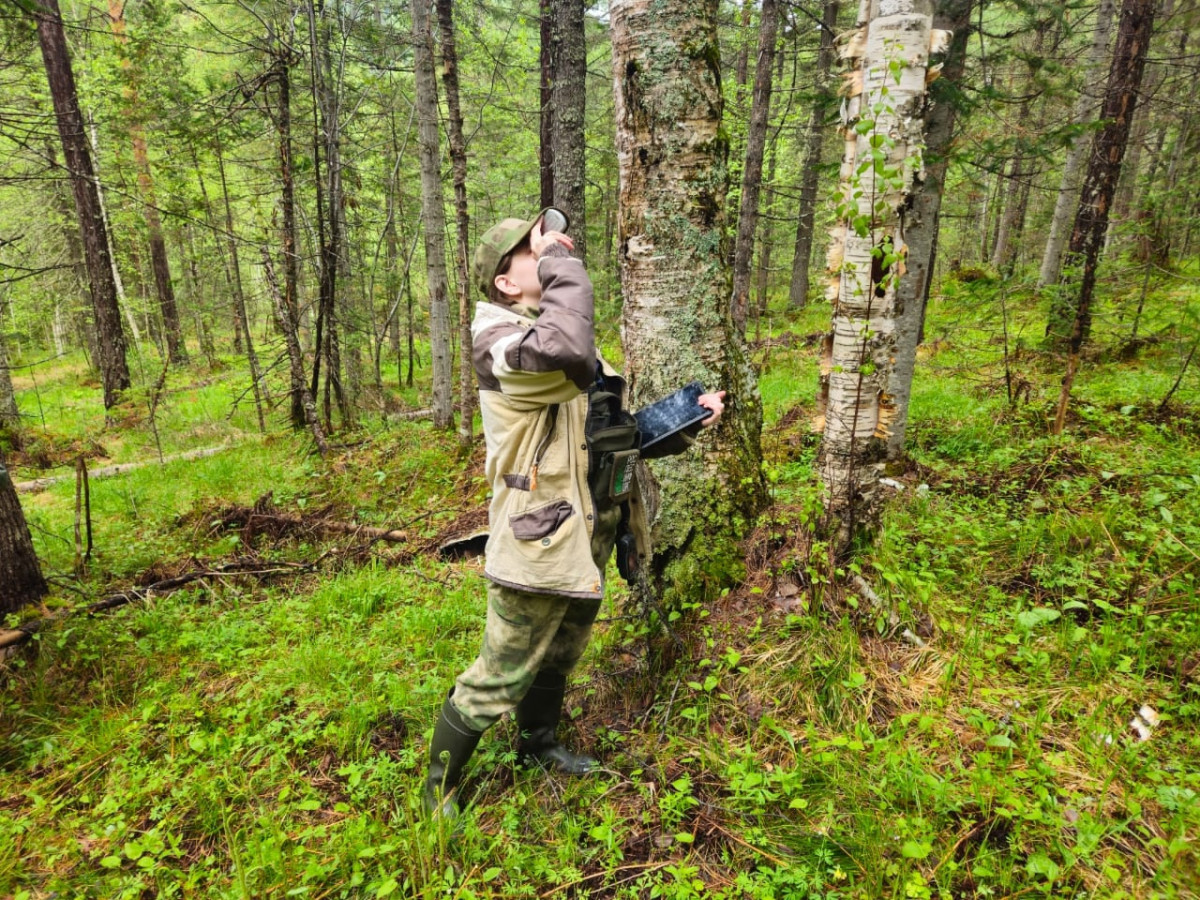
x=672, y=158
x=884, y=132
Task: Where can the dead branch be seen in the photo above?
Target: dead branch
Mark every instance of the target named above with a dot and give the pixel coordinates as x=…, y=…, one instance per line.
x=25, y=632
x=877, y=602
x=40, y=484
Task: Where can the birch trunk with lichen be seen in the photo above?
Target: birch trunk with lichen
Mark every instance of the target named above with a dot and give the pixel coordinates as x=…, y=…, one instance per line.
x=672, y=156
x=883, y=127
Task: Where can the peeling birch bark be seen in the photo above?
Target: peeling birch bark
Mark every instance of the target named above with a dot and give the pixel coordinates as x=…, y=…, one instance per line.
x=883, y=128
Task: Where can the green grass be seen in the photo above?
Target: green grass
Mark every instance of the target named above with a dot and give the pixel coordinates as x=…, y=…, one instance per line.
x=265, y=737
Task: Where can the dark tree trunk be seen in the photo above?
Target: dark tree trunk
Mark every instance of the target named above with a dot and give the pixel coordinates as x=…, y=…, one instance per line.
x=811, y=166
x=288, y=328
x=291, y=269
x=756, y=140
x=546, y=57
x=1099, y=185
x=10, y=416
x=326, y=111
x=569, y=103
x=766, y=243
x=114, y=370
x=21, y=581
x=458, y=158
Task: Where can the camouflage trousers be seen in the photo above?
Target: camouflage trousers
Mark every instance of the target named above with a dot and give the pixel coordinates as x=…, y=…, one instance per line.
x=527, y=633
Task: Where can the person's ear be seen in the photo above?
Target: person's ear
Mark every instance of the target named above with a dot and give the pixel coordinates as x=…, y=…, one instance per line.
x=505, y=285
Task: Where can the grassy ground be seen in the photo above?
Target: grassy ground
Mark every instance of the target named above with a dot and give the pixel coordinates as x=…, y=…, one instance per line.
x=263, y=736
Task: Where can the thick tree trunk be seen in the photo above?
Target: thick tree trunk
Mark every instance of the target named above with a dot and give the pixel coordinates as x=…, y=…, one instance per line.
x=176, y=349
x=756, y=140
x=569, y=102
x=21, y=581
x=921, y=221
x=1099, y=186
x=433, y=214
x=1069, y=187
x=814, y=142
x=114, y=370
x=884, y=131
x=673, y=156
x=458, y=157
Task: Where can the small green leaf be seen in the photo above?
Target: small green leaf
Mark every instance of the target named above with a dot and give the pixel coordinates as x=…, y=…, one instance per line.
x=916, y=849
x=1000, y=740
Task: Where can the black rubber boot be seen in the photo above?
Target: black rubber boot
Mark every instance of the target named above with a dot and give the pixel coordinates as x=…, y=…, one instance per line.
x=538, y=715
x=453, y=743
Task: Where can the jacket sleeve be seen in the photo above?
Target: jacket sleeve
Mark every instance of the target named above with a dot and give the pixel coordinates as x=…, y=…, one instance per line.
x=553, y=360
x=677, y=443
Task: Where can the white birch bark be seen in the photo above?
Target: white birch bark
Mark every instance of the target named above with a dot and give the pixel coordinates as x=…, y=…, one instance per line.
x=883, y=130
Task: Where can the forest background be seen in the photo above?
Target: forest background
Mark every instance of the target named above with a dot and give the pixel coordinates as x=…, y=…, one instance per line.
x=986, y=685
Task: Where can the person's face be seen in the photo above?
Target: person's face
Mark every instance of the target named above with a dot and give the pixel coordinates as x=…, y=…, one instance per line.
x=520, y=283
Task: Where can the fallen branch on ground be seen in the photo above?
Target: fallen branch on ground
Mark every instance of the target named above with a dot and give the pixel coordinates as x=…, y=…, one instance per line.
x=40, y=484
x=25, y=632
x=879, y=603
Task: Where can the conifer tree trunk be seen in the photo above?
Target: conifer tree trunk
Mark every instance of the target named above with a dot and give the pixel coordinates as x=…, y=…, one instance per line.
x=458, y=157
x=21, y=581
x=159, y=262
x=10, y=415
x=814, y=143
x=281, y=76
x=673, y=156
x=1068, y=191
x=884, y=128
x=756, y=140
x=1099, y=186
x=570, y=104
x=547, y=53
x=433, y=215
x=110, y=343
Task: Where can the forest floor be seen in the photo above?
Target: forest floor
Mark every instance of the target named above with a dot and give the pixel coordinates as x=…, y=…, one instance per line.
x=261, y=731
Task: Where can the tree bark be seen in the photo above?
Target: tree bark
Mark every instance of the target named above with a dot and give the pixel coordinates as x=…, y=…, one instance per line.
x=288, y=327
x=1099, y=186
x=570, y=104
x=673, y=156
x=282, y=78
x=458, y=158
x=766, y=222
x=547, y=53
x=810, y=167
x=10, y=415
x=176, y=349
x=884, y=129
x=756, y=140
x=922, y=219
x=114, y=371
x=433, y=214
x=21, y=581
x=1069, y=187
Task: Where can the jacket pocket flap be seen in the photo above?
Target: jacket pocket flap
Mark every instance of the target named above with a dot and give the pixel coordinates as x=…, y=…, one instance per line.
x=541, y=521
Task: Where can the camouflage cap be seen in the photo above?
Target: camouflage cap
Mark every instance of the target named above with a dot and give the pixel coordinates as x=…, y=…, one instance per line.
x=499, y=241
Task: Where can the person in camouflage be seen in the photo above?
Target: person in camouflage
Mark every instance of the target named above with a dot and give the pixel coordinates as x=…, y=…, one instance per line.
x=553, y=422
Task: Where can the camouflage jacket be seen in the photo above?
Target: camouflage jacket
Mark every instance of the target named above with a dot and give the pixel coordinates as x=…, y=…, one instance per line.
x=534, y=371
